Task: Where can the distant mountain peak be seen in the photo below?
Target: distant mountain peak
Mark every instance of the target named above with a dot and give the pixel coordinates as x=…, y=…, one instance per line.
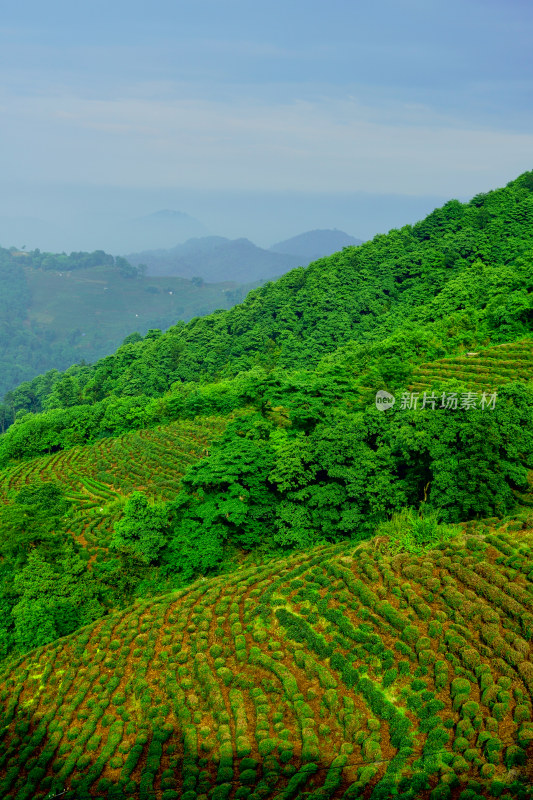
x=315, y=244
x=160, y=230
x=215, y=258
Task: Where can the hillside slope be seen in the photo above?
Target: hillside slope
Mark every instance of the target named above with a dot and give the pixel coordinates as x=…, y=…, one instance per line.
x=315, y=244
x=485, y=370
x=455, y=280
x=339, y=672
x=386, y=651
x=216, y=259
x=59, y=568
x=98, y=478
x=54, y=311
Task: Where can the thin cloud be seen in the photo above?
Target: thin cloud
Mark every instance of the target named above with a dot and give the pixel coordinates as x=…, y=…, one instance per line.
x=316, y=146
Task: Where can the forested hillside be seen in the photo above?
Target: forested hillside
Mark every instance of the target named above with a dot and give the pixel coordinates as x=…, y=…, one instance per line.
x=344, y=585
x=58, y=309
x=457, y=279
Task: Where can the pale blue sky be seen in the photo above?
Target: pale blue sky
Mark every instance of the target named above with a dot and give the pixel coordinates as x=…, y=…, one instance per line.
x=261, y=119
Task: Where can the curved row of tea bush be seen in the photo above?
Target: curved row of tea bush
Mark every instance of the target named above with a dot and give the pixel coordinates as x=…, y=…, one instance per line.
x=485, y=370
x=340, y=672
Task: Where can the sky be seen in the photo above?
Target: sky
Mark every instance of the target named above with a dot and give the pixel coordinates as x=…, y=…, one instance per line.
x=258, y=119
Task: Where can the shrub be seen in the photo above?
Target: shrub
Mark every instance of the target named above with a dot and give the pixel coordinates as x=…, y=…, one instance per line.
x=414, y=532
x=499, y=710
x=515, y=756
x=266, y=746
x=525, y=734
x=389, y=677
x=248, y=776
x=460, y=686
x=505, y=682
x=458, y=701
x=93, y=743
x=226, y=675
x=440, y=792
x=441, y=674
x=83, y=761
x=469, y=709
x=460, y=743
x=459, y=764
x=118, y=700
x=471, y=754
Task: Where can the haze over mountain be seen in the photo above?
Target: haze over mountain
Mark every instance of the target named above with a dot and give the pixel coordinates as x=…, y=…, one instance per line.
x=316, y=244
x=56, y=310
x=115, y=232
x=27, y=231
x=212, y=256
x=216, y=258
x=92, y=218
x=164, y=228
